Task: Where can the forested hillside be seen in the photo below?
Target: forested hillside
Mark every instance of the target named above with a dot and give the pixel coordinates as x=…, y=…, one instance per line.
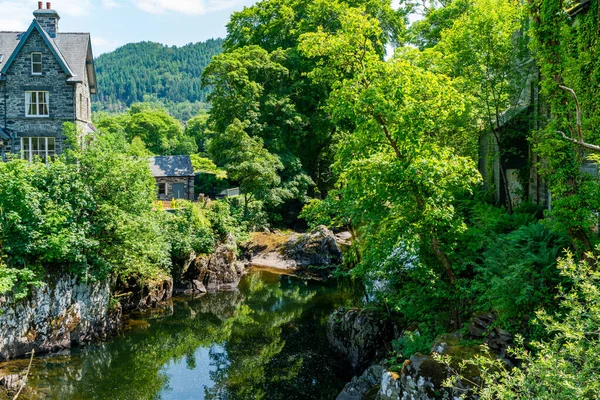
x=153, y=71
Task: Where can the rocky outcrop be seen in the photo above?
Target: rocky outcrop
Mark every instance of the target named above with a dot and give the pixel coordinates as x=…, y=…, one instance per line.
x=497, y=340
x=57, y=316
x=421, y=378
x=146, y=295
x=359, y=336
x=220, y=271
x=295, y=252
x=363, y=386
x=317, y=248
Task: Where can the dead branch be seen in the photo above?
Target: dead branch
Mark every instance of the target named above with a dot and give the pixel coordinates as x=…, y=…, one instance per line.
x=26, y=376
x=580, y=141
x=588, y=146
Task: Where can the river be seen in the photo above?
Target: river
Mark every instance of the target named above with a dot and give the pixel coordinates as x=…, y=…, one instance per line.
x=265, y=341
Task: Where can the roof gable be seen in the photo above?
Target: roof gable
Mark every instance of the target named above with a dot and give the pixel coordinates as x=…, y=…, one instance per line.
x=47, y=40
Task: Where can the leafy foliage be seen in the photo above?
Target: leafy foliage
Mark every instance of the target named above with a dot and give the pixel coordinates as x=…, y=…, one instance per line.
x=567, y=365
x=519, y=274
x=91, y=213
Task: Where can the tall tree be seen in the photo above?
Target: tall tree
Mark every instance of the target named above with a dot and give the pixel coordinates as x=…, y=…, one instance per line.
x=267, y=76
x=399, y=174
x=247, y=162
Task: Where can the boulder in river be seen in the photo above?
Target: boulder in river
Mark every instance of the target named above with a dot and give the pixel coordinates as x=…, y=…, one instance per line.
x=359, y=336
x=421, y=378
x=215, y=272
x=317, y=248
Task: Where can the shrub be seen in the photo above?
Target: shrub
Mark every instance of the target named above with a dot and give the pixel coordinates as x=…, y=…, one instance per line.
x=519, y=272
x=567, y=365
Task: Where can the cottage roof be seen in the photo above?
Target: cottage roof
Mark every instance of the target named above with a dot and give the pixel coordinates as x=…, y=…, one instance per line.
x=73, y=51
x=171, y=166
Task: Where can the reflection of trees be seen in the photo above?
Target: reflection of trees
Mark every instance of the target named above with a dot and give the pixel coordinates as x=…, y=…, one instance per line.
x=270, y=337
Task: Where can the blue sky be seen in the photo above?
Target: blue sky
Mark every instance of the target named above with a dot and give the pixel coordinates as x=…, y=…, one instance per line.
x=114, y=23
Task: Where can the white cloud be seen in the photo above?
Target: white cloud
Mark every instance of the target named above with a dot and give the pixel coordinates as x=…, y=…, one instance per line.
x=18, y=14
x=110, y=3
x=197, y=7
x=103, y=45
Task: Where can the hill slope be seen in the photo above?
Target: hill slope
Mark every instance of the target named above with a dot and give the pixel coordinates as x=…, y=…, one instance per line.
x=147, y=70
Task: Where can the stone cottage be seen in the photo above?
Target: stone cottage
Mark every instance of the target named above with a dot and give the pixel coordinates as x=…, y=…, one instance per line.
x=174, y=177
x=46, y=79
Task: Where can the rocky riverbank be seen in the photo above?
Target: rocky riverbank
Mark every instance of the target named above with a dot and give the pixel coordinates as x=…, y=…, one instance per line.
x=67, y=311
x=57, y=316
x=363, y=338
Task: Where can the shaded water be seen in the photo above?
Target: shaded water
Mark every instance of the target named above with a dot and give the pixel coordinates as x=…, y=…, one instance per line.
x=266, y=341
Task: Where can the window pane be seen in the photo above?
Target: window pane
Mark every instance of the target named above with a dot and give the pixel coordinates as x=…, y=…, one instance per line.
x=36, y=68
x=37, y=57
x=25, y=144
x=43, y=109
x=51, y=146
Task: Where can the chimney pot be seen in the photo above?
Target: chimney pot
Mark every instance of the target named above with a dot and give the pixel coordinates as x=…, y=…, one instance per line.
x=40, y=5
x=48, y=5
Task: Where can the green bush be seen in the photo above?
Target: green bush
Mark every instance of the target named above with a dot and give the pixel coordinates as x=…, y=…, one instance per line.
x=90, y=212
x=518, y=274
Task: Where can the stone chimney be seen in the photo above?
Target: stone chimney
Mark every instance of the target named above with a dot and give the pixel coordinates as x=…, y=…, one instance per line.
x=47, y=18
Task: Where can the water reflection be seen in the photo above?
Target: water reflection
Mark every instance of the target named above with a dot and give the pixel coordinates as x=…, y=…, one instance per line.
x=265, y=341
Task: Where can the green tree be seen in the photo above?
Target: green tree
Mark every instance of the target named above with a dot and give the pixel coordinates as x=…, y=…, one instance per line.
x=262, y=78
x=246, y=162
x=159, y=131
x=565, y=58
x=400, y=174
x=197, y=128
x=484, y=51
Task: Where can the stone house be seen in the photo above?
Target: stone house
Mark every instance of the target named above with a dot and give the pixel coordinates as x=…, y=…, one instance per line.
x=174, y=177
x=46, y=79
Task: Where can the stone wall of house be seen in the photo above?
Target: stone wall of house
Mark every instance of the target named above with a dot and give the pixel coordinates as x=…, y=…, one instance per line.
x=188, y=182
x=83, y=101
x=19, y=79
x=56, y=316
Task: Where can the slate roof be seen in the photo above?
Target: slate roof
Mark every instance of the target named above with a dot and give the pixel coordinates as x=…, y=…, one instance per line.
x=171, y=166
x=74, y=50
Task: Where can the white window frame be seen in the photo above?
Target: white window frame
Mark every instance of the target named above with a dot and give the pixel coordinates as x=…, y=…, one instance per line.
x=40, y=63
x=44, y=154
x=37, y=104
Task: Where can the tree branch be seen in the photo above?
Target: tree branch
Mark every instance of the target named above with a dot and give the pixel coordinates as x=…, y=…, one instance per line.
x=592, y=147
x=580, y=141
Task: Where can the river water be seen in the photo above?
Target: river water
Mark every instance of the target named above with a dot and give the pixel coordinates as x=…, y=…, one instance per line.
x=265, y=341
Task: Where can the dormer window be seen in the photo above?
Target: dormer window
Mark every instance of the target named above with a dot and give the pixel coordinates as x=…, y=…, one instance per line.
x=36, y=63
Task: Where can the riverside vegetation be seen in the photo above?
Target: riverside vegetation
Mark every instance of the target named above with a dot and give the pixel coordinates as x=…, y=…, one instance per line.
x=317, y=124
